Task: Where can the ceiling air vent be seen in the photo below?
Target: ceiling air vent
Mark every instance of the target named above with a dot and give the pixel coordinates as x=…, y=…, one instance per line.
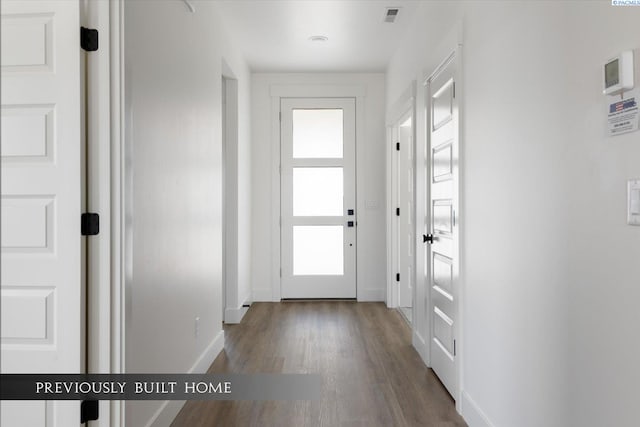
x=391, y=14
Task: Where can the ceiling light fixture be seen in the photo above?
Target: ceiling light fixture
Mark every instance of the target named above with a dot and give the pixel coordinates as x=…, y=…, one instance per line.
x=318, y=38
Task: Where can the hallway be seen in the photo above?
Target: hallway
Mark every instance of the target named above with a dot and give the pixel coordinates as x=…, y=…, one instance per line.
x=168, y=191
x=372, y=376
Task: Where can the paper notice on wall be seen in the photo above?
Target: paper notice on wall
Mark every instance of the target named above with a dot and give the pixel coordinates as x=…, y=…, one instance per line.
x=623, y=115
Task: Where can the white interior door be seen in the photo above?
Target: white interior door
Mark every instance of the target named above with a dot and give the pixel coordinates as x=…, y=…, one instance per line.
x=404, y=213
x=318, y=197
x=441, y=228
x=42, y=249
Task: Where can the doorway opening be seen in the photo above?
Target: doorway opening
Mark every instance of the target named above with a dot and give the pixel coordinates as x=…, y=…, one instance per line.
x=401, y=199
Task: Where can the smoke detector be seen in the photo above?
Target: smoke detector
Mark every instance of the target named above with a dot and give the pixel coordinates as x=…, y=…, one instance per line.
x=391, y=14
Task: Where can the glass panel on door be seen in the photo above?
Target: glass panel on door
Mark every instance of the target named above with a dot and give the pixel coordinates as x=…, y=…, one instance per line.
x=318, y=191
x=317, y=133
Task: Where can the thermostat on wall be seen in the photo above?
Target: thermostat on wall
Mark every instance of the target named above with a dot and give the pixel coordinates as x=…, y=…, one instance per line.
x=618, y=73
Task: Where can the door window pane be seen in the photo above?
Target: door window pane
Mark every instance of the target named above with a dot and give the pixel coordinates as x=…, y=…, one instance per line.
x=317, y=191
x=317, y=133
x=318, y=250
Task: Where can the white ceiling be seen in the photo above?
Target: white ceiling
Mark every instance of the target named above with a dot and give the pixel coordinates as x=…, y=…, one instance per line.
x=274, y=34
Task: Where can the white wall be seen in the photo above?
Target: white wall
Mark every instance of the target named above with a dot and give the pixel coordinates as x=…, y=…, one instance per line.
x=551, y=272
x=173, y=108
x=604, y=290
x=370, y=163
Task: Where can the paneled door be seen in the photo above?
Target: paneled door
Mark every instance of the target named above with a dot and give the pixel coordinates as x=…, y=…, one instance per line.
x=42, y=249
x=318, y=216
x=441, y=228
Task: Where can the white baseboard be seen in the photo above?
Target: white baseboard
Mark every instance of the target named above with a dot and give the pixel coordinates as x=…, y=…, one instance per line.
x=363, y=295
x=472, y=414
x=167, y=412
x=371, y=295
x=262, y=295
x=421, y=347
x=234, y=315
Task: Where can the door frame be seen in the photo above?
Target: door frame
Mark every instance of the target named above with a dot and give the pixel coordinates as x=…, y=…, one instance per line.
x=404, y=107
x=277, y=92
x=422, y=189
x=105, y=160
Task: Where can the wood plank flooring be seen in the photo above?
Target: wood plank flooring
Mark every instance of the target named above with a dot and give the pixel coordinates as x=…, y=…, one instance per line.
x=372, y=376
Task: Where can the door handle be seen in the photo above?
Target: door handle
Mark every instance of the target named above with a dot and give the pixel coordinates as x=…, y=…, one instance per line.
x=427, y=238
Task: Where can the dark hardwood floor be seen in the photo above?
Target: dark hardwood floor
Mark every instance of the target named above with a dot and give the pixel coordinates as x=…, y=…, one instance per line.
x=372, y=376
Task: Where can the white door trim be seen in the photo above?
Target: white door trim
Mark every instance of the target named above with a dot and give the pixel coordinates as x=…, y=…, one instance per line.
x=305, y=91
x=106, y=83
x=455, y=54
x=101, y=324
x=116, y=15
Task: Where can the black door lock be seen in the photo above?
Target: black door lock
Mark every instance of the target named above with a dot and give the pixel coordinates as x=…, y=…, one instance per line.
x=427, y=238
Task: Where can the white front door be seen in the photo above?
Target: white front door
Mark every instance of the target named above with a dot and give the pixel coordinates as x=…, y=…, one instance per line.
x=318, y=216
x=42, y=249
x=441, y=231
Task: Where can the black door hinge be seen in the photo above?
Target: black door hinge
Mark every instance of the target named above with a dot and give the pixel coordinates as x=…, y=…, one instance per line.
x=397, y=146
x=88, y=39
x=89, y=410
x=397, y=211
x=90, y=224
x=397, y=277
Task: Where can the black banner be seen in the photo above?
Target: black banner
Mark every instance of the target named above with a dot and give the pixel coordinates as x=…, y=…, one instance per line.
x=160, y=387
